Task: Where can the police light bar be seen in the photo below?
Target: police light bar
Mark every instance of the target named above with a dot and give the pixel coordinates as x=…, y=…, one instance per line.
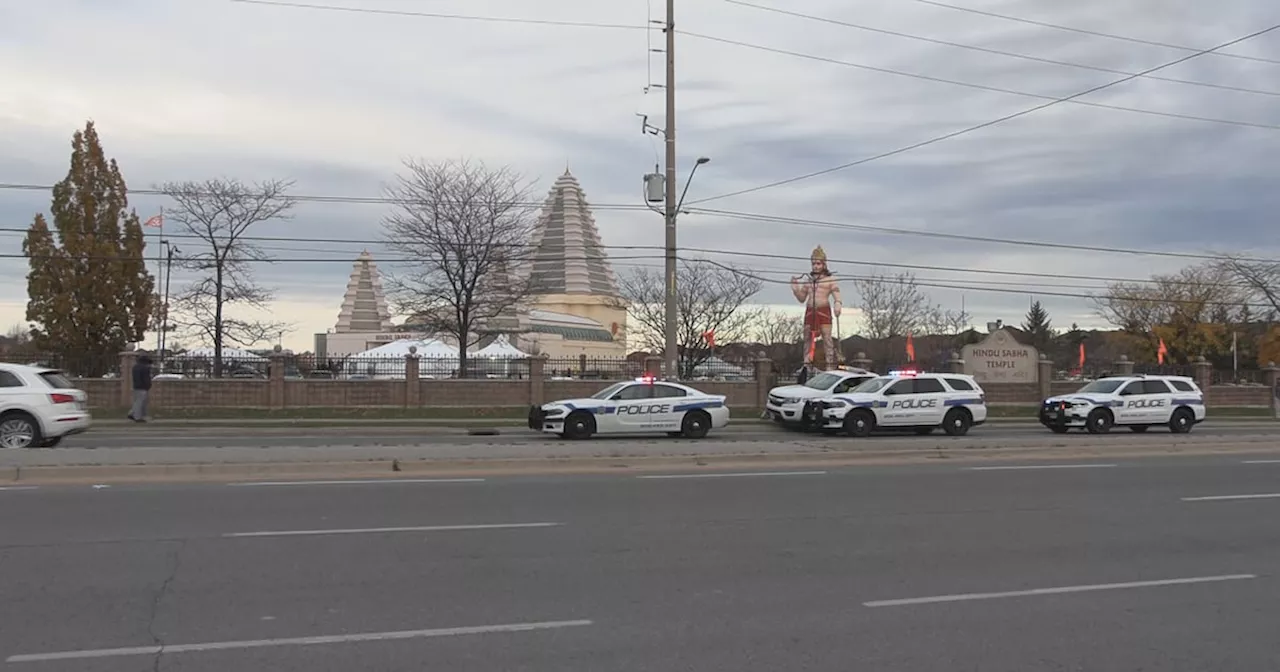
x=646, y=379
x=904, y=372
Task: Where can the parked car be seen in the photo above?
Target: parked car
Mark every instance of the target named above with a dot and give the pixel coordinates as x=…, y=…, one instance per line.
x=39, y=407
x=642, y=406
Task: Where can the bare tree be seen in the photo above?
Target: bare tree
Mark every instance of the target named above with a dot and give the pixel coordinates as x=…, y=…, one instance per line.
x=939, y=321
x=893, y=305
x=219, y=214
x=777, y=327
x=710, y=298
x=468, y=229
x=1259, y=281
x=1191, y=296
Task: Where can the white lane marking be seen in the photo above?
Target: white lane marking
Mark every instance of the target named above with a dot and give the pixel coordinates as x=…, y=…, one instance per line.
x=1224, y=498
x=372, y=481
x=1043, y=466
x=738, y=475
x=294, y=641
x=1056, y=591
x=381, y=530
x=18, y=487
x=1261, y=462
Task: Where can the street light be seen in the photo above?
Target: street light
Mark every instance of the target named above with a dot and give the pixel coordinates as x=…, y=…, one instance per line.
x=660, y=188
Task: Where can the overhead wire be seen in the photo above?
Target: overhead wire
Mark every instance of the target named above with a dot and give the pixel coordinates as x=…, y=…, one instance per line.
x=985, y=124
x=1095, y=33
x=438, y=15
x=995, y=52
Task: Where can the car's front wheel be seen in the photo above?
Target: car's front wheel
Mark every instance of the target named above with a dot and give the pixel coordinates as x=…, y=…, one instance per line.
x=859, y=422
x=579, y=425
x=19, y=430
x=1182, y=421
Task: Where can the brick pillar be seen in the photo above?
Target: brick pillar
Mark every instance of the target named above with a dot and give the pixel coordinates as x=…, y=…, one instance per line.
x=764, y=381
x=1044, y=375
x=653, y=366
x=275, y=379
x=860, y=361
x=1271, y=375
x=537, y=380
x=412, y=373
x=1124, y=366
x=955, y=364
x=127, y=359
x=1202, y=371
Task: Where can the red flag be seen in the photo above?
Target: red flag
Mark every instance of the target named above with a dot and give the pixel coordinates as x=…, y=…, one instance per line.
x=1082, y=356
x=1161, y=352
x=155, y=221
x=911, y=349
x=710, y=337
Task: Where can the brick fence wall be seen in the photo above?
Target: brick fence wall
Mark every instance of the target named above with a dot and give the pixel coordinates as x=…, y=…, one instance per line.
x=279, y=392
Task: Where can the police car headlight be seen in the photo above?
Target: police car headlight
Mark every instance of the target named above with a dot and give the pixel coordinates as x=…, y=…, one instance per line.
x=791, y=400
x=554, y=412
x=834, y=403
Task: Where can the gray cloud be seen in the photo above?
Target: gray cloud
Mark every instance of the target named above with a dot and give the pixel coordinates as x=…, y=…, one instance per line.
x=335, y=101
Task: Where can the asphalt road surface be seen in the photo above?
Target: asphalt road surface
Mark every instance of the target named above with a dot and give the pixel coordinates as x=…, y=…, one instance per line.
x=135, y=436
x=1163, y=564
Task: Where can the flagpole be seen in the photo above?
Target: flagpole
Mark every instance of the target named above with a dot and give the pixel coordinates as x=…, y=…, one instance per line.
x=1235, y=359
x=159, y=276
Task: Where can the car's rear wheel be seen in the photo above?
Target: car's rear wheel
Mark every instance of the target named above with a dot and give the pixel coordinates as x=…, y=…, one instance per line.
x=579, y=425
x=859, y=422
x=1182, y=421
x=696, y=425
x=957, y=422
x=19, y=430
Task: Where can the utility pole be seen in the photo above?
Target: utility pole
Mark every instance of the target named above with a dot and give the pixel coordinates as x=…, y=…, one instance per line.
x=164, y=326
x=670, y=349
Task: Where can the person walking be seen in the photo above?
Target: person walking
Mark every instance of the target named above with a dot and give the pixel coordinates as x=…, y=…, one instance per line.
x=141, y=388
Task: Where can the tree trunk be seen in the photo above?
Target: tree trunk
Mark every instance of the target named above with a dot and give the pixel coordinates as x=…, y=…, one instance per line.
x=217, y=323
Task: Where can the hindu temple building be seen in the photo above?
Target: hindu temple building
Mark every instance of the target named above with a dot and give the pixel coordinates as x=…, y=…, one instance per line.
x=576, y=308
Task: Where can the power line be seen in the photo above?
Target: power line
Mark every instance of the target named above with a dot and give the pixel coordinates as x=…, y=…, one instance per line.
x=997, y=52
x=980, y=87
x=355, y=200
x=1082, y=31
x=986, y=124
x=436, y=15
x=958, y=236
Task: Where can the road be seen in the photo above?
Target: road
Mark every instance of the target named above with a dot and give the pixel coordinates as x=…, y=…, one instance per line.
x=141, y=436
x=1103, y=565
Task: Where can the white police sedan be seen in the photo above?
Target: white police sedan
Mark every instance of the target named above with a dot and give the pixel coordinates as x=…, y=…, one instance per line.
x=642, y=406
x=903, y=400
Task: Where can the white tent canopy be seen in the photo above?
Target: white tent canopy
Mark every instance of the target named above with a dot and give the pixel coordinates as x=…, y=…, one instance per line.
x=430, y=349
x=500, y=348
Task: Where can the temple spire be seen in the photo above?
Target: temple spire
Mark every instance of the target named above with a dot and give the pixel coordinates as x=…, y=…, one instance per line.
x=569, y=257
x=364, y=306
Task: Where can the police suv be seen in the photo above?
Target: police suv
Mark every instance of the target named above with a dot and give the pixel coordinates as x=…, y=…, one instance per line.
x=1134, y=401
x=903, y=400
x=785, y=403
x=641, y=406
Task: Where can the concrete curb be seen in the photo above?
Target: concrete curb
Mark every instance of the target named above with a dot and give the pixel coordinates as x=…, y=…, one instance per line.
x=390, y=468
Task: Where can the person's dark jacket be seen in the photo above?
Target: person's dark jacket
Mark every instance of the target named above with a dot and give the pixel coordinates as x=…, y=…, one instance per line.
x=142, y=374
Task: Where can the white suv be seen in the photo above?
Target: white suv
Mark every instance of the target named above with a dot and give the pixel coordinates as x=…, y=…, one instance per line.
x=904, y=400
x=786, y=402
x=1134, y=401
x=38, y=407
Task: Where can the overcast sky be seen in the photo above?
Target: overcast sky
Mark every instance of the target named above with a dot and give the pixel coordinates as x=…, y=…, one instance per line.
x=334, y=100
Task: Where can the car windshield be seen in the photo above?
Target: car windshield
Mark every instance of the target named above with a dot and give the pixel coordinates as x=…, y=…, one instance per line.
x=873, y=385
x=1103, y=386
x=824, y=381
x=608, y=391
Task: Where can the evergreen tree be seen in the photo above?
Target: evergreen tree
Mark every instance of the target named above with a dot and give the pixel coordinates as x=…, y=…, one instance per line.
x=1038, y=327
x=89, y=292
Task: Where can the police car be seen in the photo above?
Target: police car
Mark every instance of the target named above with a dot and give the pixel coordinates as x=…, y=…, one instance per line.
x=903, y=400
x=641, y=406
x=785, y=403
x=1135, y=401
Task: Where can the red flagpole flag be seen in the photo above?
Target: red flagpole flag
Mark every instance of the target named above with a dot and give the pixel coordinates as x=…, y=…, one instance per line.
x=1082, y=356
x=911, y=349
x=710, y=336
x=1161, y=352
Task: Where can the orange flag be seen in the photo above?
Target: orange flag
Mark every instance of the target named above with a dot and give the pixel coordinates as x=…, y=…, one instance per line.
x=911, y=349
x=1161, y=352
x=1082, y=355
x=710, y=336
